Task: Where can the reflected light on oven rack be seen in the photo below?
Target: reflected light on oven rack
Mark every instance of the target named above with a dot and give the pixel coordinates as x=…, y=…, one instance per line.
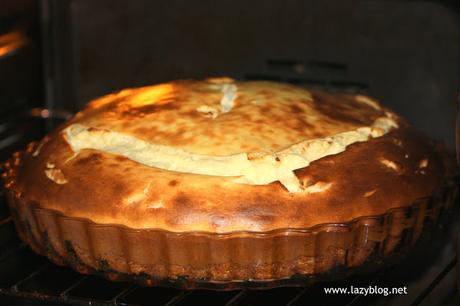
x=10, y=140
x=44, y=113
x=11, y=42
x=49, y=114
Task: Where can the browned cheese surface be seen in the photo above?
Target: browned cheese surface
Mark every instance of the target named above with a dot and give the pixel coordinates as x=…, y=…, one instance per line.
x=368, y=178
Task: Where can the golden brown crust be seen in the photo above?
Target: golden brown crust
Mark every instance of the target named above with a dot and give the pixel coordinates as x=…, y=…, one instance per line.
x=267, y=116
x=367, y=179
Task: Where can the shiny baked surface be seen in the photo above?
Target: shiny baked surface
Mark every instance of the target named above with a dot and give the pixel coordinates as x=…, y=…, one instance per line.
x=223, y=118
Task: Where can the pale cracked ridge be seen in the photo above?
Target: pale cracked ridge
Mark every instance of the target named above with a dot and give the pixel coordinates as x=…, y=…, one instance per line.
x=227, y=103
x=255, y=168
x=228, y=100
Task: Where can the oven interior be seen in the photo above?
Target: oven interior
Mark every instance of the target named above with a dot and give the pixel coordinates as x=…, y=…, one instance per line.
x=405, y=53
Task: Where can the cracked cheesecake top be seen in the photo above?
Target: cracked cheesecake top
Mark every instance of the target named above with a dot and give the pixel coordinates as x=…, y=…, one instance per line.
x=219, y=155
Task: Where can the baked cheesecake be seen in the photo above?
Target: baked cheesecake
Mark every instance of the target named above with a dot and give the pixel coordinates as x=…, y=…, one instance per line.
x=220, y=181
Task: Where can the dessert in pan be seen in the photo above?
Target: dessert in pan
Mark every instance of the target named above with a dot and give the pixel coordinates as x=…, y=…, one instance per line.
x=219, y=182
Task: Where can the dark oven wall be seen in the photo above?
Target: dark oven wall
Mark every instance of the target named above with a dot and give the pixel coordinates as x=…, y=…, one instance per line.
x=405, y=53
x=20, y=59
